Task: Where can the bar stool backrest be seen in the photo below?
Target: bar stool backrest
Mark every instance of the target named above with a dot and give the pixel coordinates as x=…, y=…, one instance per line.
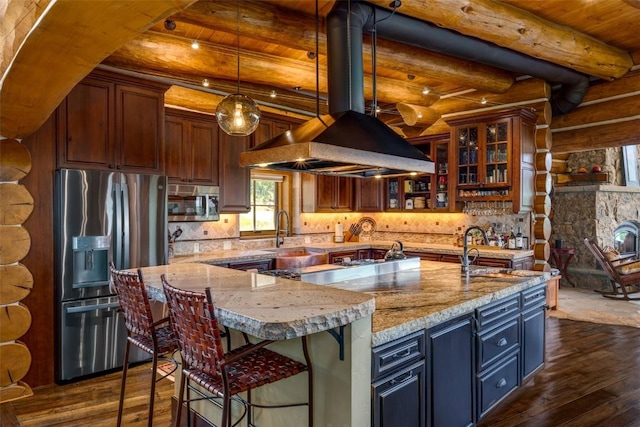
x=195, y=324
x=133, y=301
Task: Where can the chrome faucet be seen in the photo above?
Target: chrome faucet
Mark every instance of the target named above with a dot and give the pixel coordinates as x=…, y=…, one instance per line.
x=278, y=231
x=464, y=259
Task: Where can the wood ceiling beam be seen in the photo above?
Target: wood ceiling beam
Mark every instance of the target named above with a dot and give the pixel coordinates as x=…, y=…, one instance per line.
x=60, y=48
x=164, y=55
x=281, y=26
x=522, y=31
x=597, y=137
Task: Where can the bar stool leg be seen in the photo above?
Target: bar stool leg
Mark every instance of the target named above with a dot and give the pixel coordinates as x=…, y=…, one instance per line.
x=153, y=389
x=123, y=382
x=183, y=379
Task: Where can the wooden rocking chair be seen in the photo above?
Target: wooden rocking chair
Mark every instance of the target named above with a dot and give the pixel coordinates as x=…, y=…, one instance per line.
x=624, y=273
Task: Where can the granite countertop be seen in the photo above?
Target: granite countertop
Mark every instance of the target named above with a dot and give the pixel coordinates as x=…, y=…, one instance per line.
x=411, y=300
x=401, y=302
x=264, y=306
x=222, y=256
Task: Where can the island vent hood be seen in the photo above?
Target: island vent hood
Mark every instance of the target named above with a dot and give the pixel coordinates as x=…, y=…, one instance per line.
x=345, y=142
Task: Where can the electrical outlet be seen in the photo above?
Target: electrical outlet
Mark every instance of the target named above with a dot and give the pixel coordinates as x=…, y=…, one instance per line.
x=226, y=245
x=307, y=239
x=196, y=247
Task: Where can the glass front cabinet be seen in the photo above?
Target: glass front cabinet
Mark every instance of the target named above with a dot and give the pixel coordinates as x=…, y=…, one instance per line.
x=495, y=158
x=426, y=192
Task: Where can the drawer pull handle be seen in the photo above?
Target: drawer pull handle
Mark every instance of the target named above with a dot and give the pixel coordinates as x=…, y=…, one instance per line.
x=502, y=342
x=402, y=378
x=501, y=383
x=504, y=309
x=406, y=352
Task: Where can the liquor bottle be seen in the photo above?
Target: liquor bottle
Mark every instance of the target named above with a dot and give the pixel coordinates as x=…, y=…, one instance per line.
x=512, y=240
x=519, y=239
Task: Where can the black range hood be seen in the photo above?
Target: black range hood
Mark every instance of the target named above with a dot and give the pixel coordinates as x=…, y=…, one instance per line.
x=345, y=144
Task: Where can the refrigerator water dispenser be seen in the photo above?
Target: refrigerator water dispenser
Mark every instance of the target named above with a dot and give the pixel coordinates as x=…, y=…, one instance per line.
x=90, y=260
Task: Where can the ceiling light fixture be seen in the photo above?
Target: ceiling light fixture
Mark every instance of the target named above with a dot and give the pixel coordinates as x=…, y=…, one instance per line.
x=273, y=94
x=483, y=101
x=237, y=114
x=205, y=82
x=195, y=45
x=426, y=91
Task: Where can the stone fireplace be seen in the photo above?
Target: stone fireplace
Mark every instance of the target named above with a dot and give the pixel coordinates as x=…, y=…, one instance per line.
x=593, y=211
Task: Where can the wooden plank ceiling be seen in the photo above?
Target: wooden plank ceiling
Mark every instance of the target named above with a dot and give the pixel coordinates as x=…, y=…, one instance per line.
x=277, y=40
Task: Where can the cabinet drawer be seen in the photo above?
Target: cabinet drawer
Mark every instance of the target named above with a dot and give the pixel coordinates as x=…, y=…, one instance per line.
x=495, y=343
x=393, y=355
x=534, y=296
x=496, y=383
x=498, y=311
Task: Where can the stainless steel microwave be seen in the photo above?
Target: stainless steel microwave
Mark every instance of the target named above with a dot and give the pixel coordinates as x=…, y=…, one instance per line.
x=192, y=203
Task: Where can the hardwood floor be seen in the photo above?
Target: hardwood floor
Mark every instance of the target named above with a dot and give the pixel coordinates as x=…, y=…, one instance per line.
x=92, y=402
x=591, y=378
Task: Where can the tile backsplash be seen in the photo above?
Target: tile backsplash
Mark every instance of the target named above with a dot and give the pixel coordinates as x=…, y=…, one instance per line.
x=320, y=227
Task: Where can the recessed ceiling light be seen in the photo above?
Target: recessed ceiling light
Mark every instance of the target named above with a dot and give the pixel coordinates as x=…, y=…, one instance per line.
x=195, y=44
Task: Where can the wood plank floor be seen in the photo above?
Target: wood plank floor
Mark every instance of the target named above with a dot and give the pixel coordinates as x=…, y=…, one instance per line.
x=591, y=378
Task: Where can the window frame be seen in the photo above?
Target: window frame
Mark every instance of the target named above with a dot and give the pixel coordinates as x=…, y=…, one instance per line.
x=281, y=180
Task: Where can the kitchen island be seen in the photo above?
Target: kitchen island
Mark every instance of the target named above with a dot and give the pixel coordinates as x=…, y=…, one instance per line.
x=372, y=311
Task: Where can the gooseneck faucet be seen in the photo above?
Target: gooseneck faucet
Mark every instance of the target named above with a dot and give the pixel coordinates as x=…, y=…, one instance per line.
x=278, y=215
x=464, y=259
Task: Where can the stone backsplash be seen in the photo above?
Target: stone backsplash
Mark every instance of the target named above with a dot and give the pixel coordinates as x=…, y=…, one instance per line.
x=320, y=227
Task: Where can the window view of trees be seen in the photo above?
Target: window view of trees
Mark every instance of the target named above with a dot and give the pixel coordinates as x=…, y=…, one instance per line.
x=264, y=205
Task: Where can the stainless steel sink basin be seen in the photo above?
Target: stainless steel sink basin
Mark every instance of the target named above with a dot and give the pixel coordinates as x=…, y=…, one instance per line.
x=298, y=258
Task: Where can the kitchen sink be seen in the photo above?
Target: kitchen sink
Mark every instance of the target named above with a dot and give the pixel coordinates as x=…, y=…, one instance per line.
x=298, y=258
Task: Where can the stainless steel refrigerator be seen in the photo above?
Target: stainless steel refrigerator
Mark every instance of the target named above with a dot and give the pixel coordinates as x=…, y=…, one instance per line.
x=99, y=217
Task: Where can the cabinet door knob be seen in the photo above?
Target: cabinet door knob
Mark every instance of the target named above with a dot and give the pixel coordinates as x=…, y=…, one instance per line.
x=501, y=383
x=502, y=342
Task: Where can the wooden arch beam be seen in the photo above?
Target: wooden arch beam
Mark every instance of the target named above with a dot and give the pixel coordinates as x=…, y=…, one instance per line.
x=65, y=40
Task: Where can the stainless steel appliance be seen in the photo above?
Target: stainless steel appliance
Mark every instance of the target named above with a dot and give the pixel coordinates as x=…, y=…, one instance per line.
x=99, y=217
x=193, y=202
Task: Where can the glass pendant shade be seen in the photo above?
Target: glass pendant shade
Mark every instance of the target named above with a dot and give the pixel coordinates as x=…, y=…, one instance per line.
x=238, y=115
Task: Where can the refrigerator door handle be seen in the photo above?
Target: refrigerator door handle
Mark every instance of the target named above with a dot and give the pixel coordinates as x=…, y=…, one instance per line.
x=125, y=225
x=85, y=308
x=117, y=226
x=90, y=284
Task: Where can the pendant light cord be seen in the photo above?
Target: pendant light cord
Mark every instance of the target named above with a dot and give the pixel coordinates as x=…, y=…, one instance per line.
x=238, y=41
x=317, y=64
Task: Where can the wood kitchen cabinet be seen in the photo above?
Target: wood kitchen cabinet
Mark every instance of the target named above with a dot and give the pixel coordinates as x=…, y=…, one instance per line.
x=327, y=193
x=112, y=123
x=494, y=158
x=271, y=126
x=192, y=148
x=235, y=181
x=369, y=195
x=436, y=188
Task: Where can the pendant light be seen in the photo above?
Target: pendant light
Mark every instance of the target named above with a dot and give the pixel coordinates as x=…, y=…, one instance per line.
x=237, y=114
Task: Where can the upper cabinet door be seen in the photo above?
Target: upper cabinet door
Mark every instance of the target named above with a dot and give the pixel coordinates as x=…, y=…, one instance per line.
x=139, y=129
x=234, y=180
x=192, y=148
x=86, y=126
x=107, y=122
x=204, y=152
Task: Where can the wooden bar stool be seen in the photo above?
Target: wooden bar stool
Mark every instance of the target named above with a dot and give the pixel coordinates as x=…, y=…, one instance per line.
x=156, y=338
x=225, y=375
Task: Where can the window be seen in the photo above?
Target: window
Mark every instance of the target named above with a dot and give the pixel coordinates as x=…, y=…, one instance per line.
x=266, y=190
